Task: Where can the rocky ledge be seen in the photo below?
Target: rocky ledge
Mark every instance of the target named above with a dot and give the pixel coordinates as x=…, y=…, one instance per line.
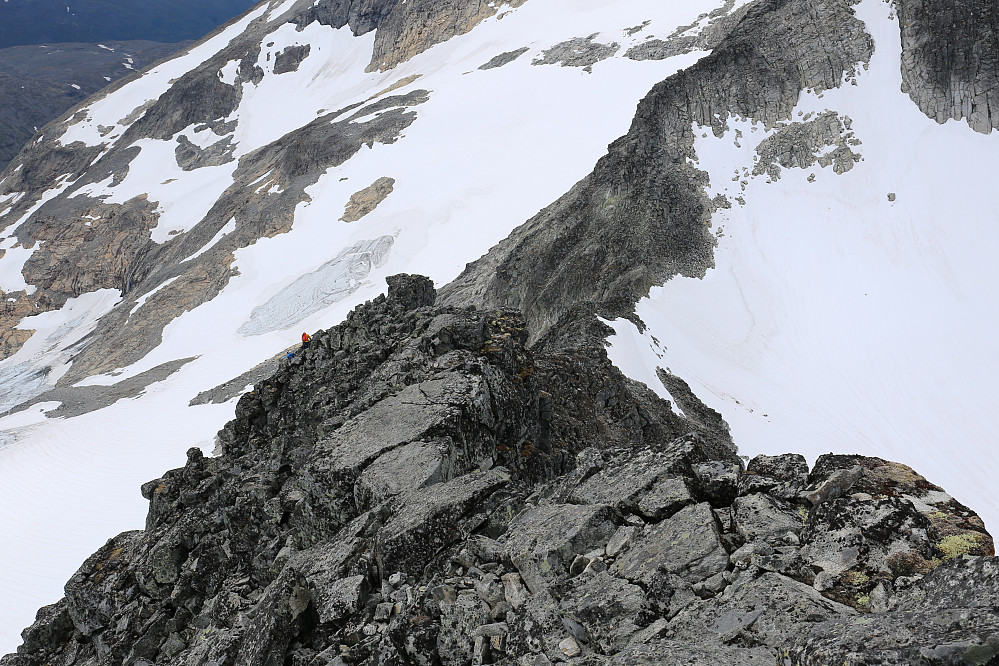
x=419, y=487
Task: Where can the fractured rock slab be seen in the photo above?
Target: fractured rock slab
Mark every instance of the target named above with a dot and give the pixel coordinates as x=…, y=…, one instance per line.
x=686, y=544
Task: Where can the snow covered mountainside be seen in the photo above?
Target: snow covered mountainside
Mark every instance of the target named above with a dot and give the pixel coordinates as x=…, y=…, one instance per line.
x=815, y=236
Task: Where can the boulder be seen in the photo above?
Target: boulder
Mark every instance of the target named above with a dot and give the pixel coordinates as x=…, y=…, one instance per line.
x=434, y=519
x=687, y=544
x=769, y=610
x=782, y=476
x=760, y=516
x=609, y=608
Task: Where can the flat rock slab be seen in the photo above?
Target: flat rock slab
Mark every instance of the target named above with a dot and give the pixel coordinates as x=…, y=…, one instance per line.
x=665, y=498
x=338, y=598
x=759, y=516
x=432, y=520
x=405, y=468
x=549, y=537
x=686, y=544
x=396, y=420
x=769, y=610
x=621, y=483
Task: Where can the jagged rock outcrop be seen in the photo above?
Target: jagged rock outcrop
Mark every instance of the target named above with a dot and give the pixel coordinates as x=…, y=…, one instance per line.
x=643, y=215
x=950, y=60
x=418, y=487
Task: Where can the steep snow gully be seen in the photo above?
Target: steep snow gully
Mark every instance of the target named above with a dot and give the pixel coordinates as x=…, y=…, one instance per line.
x=787, y=233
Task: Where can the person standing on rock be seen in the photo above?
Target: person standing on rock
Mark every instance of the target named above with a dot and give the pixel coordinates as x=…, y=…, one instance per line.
x=306, y=339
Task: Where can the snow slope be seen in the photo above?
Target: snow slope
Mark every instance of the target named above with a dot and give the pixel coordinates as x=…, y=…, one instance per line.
x=856, y=313
x=487, y=151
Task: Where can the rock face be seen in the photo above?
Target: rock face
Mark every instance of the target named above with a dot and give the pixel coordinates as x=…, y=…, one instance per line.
x=950, y=60
x=404, y=29
x=418, y=487
x=642, y=216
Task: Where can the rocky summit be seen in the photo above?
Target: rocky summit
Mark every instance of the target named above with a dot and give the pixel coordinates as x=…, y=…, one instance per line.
x=419, y=487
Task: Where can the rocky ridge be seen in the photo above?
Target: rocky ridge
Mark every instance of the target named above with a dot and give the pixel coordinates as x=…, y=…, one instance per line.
x=643, y=216
x=85, y=244
x=420, y=487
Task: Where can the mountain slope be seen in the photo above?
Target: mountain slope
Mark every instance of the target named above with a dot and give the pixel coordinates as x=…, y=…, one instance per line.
x=40, y=82
x=180, y=231
x=843, y=308
x=175, y=229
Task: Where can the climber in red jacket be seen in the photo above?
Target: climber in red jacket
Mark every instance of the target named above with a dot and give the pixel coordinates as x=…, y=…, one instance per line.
x=306, y=339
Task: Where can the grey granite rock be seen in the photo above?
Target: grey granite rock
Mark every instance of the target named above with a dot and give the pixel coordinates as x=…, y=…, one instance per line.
x=718, y=480
x=544, y=540
x=624, y=481
x=950, y=66
x=609, y=608
x=783, y=476
x=433, y=520
x=665, y=498
x=768, y=610
x=687, y=544
x=962, y=628
x=670, y=653
x=419, y=487
x=761, y=516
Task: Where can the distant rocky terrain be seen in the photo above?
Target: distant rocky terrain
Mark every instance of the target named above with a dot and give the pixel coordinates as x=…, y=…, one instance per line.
x=39, y=83
x=54, y=55
x=25, y=22
x=419, y=487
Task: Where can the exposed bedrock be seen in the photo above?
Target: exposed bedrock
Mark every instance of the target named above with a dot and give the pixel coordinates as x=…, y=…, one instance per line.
x=404, y=28
x=419, y=487
x=950, y=59
x=643, y=216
